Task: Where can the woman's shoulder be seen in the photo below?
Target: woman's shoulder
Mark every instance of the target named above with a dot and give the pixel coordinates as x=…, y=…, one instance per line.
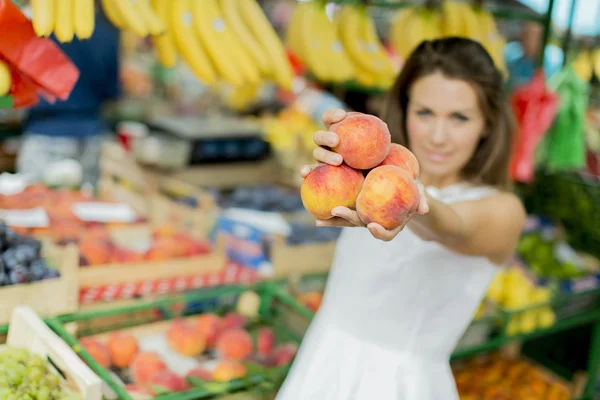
x=463, y=191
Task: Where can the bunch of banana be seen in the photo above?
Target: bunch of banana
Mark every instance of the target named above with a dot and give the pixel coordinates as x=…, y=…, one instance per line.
x=583, y=65
x=459, y=19
x=67, y=19
x=372, y=65
x=491, y=39
x=136, y=16
x=313, y=37
x=596, y=62
x=411, y=26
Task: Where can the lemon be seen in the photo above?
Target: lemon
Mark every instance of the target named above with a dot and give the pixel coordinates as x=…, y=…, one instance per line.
x=5, y=79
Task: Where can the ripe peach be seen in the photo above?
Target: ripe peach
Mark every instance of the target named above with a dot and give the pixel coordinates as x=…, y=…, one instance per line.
x=235, y=344
x=200, y=373
x=284, y=353
x=402, y=157
x=144, y=366
x=185, y=339
x=329, y=186
x=233, y=320
x=227, y=370
x=311, y=300
x=209, y=325
x=97, y=350
x=389, y=197
x=364, y=140
x=265, y=340
x=168, y=380
x=122, y=349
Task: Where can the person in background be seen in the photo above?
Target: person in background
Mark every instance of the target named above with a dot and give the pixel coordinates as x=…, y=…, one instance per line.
x=398, y=301
x=522, y=57
x=74, y=129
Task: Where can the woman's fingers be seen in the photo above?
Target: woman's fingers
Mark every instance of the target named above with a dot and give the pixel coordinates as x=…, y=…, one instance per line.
x=326, y=156
x=326, y=138
x=423, y=207
x=338, y=222
x=379, y=232
x=307, y=169
x=348, y=214
x=332, y=116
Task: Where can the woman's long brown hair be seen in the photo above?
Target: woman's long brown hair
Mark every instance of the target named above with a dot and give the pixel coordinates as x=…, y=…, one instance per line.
x=466, y=60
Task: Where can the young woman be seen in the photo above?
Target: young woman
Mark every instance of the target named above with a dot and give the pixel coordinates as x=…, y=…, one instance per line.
x=397, y=302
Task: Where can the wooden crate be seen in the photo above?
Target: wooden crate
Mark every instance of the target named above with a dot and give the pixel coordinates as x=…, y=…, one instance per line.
x=117, y=276
x=50, y=297
x=28, y=331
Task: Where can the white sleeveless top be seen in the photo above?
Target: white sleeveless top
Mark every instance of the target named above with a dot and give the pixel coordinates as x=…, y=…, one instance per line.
x=391, y=316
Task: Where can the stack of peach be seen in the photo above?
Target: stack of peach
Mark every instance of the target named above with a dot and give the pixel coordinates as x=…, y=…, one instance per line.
x=97, y=248
x=377, y=178
x=58, y=204
x=224, y=338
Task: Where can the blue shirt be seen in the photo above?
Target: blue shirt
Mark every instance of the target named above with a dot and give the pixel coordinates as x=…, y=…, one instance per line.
x=521, y=68
x=78, y=116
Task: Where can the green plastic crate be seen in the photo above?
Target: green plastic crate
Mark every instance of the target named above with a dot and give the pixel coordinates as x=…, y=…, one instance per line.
x=260, y=383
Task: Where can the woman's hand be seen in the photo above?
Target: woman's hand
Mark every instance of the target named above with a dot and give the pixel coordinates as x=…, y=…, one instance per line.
x=343, y=216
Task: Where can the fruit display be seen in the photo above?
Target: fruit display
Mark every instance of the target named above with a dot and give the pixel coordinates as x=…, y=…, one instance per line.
x=203, y=350
x=411, y=26
x=339, y=50
x=21, y=260
x=27, y=376
x=66, y=19
x=98, y=247
x=58, y=205
x=384, y=194
x=501, y=377
x=515, y=293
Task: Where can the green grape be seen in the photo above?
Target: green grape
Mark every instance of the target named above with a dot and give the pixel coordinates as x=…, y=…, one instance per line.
x=43, y=393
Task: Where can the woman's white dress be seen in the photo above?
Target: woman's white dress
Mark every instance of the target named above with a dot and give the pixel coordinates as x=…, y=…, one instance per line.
x=391, y=316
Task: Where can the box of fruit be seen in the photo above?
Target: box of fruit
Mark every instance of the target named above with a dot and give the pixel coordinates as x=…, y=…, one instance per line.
x=42, y=276
x=38, y=364
x=140, y=260
x=238, y=344
x=508, y=376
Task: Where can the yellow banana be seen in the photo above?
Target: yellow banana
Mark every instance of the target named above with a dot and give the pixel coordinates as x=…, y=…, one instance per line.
x=340, y=66
x=43, y=17
x=164, y=44
x=154, y=24
x=582, y=65
x=596, y=62
x=129, y=12
x=293, y=38
x=472, y=27
x=84, y=18
x=377, y=53
x=64, y=29
x=312, y=44
x=219, y=42
x=399, y=35
x=5, y=79
x=264, y=33
x=486, y=24
x=113, y=14
x=235, y=22
x=191, y=50
x=452, y=23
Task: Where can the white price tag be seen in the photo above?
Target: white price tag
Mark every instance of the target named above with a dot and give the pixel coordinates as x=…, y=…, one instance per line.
x=104, y=212
x=31, y=218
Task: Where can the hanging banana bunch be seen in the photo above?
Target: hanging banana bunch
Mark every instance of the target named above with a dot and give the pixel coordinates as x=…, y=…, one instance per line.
x=411, y=26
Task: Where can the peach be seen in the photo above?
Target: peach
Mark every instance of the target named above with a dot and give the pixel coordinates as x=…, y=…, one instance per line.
x=209, y=325
x=185, y=339
x=402, y=157
x=168, y=380
x=265, y=340
x=144, y=366
x=389, y=197
x=329, y=186
x=122, y=349
x=233, y=320
x=284, y=353
x=200, y=373
x=235, y=344
x=311, y=300
x=364, y=140
x=97, y=350
x=227, y=370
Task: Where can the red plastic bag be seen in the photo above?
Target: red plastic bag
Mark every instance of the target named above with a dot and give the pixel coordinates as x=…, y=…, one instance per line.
x=23, y=91
x=38, y=59
x=535, y=108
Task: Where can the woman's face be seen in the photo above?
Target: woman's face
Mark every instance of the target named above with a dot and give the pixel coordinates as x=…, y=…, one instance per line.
x=444, y=124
